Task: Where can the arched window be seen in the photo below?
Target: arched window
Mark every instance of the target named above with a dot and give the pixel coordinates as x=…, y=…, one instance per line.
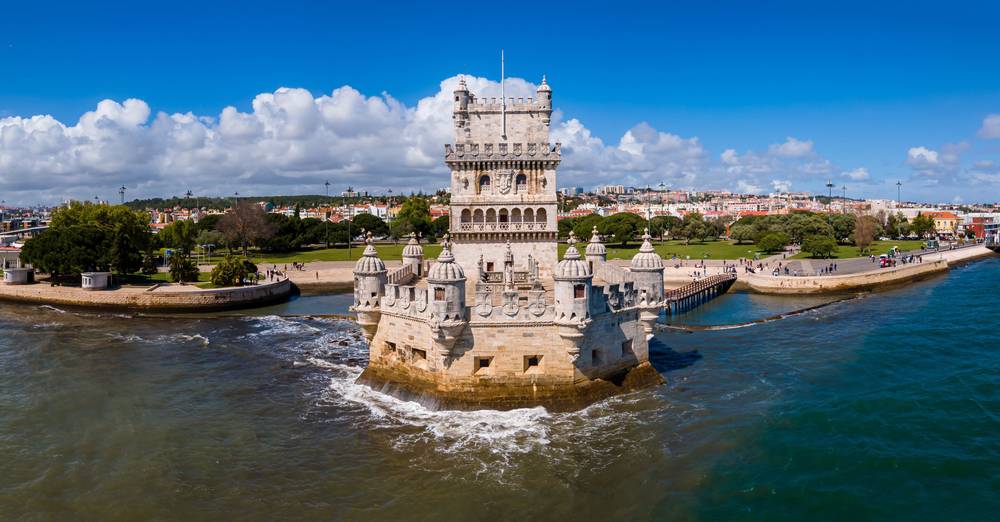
x=484, y=184
x=529, y=215
x=515, y=215
x=466, y=216
x=491, y=216
x=477, y=217
x=521, y=183
x=503, y=216
x=540, y=216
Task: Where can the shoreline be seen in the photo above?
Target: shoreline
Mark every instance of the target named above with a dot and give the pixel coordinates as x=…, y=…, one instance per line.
x=180, y=298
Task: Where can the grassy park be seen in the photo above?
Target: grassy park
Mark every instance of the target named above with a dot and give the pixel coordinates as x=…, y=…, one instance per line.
x=877, y=247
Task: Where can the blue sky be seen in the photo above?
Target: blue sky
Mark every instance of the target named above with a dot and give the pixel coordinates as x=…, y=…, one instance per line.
x=866, y=85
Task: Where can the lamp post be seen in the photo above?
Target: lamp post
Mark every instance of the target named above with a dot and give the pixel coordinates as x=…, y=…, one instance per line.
x=121, y=194
x=388, y=212
x=649, y=209
x=350, y=214
x=845, y=198
x=326, y=218
x=829, y=202
x=899, y=185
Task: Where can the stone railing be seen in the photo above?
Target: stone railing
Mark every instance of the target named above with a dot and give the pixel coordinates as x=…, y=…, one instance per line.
x=503, y=227
x=699, y=286
x=407, y=300
x=400, y=275
x=611, y=274
x=511, y=151
x=510, y=305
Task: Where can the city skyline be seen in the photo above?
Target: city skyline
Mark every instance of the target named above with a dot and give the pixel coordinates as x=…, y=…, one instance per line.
x=854, y=101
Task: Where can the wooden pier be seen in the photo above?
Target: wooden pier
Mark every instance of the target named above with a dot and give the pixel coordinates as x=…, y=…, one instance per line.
x=693, y=295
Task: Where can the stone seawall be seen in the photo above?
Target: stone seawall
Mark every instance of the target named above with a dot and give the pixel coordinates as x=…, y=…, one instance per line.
x=186, y=298
x=768, y=284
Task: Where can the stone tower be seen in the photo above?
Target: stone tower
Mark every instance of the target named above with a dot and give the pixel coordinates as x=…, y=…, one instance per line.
x=503, y=180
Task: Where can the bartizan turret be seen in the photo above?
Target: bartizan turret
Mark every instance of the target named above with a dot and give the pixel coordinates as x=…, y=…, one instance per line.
x=596, y=252
x=545, y=100
x=446, y=283
x=647, y=272
x=369, y=287
x=573, y=285
x=413, y=255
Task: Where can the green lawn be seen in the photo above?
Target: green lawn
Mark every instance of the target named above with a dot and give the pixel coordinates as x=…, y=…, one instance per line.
x=878, y=247
x=160, y=277
x=667, y=249
x=386, y=252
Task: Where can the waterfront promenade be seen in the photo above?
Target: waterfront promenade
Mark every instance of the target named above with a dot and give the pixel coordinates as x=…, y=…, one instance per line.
x=164, y=297
x=851, y=274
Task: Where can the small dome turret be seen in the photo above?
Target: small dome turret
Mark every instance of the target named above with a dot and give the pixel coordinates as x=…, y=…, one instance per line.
x=596, y=247
x=445, y=269
x=369, y=262
x=413, y=248
x=647, y=258
x=544, y=86
x=572, y=266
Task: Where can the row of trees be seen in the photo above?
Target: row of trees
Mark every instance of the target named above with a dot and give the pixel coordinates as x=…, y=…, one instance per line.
x=624, y=227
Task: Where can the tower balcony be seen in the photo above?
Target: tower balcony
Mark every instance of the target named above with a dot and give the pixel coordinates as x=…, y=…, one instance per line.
x=503, y=227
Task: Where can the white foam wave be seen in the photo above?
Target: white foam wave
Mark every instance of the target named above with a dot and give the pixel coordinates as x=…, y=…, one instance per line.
x=277, y=325
x=51, y=324
x=130, y=338
x=52, y=308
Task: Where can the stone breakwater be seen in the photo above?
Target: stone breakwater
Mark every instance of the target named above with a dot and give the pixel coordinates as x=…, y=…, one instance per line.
x=162, y=298
x=935, y=263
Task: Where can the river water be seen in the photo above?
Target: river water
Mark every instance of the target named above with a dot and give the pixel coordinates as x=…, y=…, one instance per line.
x=885, y=407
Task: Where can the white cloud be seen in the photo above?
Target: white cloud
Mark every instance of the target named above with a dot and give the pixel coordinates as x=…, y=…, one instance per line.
x=991, y=127
x=922, y=157
x=791, y=148
x=781, y=185
x=291, y=141
x=858, y=174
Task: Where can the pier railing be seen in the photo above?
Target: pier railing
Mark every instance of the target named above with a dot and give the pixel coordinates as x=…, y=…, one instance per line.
x=697, y=293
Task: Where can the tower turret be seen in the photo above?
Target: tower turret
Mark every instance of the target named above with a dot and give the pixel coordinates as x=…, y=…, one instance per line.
x=369, y=287
x=544, y=95
x=413, y=255
x=573, y=285
x=647, y=272
x=461, y=111
x=596, y=253
x=446, y=288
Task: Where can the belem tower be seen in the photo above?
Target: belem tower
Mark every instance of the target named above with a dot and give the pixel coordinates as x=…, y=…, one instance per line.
x=497, y=321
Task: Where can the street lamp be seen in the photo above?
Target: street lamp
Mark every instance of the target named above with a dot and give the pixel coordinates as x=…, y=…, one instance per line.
x=899, y=185
x=350, y=214
x=649, y=209
x=121, y=193
x=326, y=218
x=845, y=198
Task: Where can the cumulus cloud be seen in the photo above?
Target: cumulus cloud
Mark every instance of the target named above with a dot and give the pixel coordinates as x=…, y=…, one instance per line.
x=292, y=141
x=858, y=174
x=937, y=166
x=991, y=127
x=791, y=148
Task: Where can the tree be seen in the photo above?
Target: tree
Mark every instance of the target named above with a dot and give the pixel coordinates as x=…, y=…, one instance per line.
x=692, y=226
x=370, y=223
x=88, y=237
x=232, y=271
x=866, y=229
x=664, y=225
x=180, y=235
x=245, y=224
x=843, y=226
x=922, y=225
x=566, y=225
x=209, y=238
x=741, y=233
x=439, y=226
x=584, y=226
x=819, y=246
x=182, y=268
x=414, y=216
x=773, y=241
x=623, y=226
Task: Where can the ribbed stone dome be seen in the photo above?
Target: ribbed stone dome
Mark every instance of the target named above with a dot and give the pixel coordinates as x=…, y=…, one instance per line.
x=572, y=267
x=647, y=258
x=413, y=248
x=369, y=262
x=445, y=268
x=544, y=87
x=596, y=247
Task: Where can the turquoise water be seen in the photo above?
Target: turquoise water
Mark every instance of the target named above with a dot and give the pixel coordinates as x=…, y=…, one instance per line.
x=880, y=408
